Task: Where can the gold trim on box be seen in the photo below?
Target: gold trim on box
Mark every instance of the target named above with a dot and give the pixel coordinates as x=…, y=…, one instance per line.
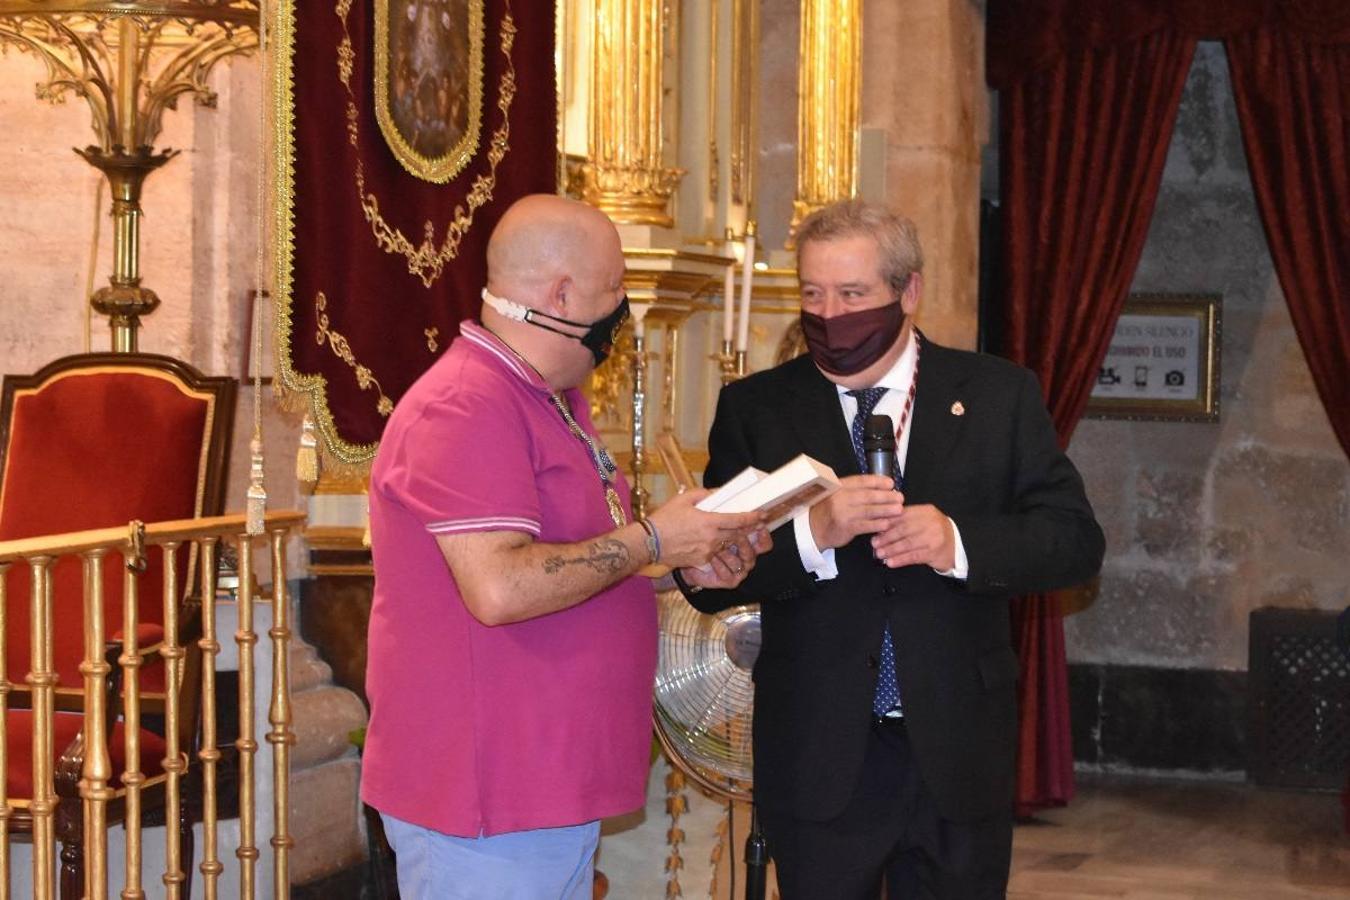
x=342, y=569
x=1207, y=309
x=695, y=459
x=335, y=537
x=440, y=169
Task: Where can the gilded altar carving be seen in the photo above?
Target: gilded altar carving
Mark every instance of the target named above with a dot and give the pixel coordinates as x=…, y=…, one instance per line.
x=829, y=103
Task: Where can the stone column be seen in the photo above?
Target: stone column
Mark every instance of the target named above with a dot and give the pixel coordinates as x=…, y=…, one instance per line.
x=923, y=96
x=626, y=175
x=829, y=79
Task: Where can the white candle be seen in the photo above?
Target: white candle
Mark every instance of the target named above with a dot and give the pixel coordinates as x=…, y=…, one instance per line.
x=747, y=275
x=728, y=297
x=639, y=312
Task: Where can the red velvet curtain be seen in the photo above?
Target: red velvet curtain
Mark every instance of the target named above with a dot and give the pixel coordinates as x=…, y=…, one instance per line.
x=1089, y=92
x=1083, y=142
x=1293, y=102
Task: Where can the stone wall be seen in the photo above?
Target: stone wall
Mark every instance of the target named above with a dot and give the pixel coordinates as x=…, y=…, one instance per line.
x=923, y=91
x=1206, y=522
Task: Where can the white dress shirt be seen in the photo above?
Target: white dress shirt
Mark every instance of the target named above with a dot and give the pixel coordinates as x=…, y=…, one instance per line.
x=897, y=381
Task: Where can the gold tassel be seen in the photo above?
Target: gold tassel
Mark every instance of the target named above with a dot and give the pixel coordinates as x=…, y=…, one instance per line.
x=307, y=458
x=256, y=508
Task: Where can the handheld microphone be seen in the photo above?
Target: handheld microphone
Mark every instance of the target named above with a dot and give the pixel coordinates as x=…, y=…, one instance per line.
x=879, y=446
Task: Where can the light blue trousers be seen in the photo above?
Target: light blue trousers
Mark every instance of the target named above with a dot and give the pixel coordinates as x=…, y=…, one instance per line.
x=544, y=864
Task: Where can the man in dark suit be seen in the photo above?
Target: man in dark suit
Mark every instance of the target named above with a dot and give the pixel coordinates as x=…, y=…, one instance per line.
x=885, y=718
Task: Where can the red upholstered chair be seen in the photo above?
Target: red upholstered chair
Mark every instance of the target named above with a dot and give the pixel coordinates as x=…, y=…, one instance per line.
x=95, y=441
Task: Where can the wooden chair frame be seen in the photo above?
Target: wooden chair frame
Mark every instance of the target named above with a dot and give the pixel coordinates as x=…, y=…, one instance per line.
x=69, y=765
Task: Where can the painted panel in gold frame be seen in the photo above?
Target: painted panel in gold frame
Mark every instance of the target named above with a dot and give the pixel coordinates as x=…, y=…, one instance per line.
x=429, y=83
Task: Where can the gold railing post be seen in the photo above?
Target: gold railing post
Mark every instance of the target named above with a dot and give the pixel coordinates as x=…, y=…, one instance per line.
x=625, y=175
x=133, y=564
x=5, y=688
x=94, y=790
x=43, y=681
x=829, y=82
x=175, y=759
x=246, y=638
x=97, y=791
x=279, y=716
x=211, y=866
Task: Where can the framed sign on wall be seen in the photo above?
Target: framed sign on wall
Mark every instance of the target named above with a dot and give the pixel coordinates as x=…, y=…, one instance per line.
x=1163, y=361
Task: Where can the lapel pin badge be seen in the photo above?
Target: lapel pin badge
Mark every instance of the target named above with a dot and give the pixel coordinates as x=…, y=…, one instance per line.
x=958, y=408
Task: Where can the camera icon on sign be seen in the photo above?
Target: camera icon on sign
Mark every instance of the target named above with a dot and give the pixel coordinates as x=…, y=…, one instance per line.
x=1174, y=378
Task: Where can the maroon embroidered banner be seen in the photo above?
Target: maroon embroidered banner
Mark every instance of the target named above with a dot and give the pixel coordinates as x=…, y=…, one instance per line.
x=404, y=129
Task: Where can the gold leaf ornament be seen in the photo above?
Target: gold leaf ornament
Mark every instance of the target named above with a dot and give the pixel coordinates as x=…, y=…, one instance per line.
x=342, y=349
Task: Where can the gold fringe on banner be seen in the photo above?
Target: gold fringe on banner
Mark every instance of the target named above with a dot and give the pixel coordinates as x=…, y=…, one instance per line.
x=328, y=462
x=307, y=457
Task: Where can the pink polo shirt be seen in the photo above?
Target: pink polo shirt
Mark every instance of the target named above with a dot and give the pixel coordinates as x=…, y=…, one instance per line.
x=483, y=730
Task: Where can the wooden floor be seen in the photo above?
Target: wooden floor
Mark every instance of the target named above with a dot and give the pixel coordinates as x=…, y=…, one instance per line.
x=1146, y=839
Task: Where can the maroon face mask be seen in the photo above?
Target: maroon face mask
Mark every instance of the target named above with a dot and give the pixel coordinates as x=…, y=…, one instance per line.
x=847, y=344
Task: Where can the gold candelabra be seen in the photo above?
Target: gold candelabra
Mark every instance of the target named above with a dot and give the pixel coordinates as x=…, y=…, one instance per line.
x=640, y=492
x=130, y=62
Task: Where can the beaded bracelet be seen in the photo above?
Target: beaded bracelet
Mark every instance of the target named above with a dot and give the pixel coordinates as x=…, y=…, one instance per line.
x=653, y=540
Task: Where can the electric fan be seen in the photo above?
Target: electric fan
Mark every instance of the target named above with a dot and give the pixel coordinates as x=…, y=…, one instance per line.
x=704, y=697
x=703, y=706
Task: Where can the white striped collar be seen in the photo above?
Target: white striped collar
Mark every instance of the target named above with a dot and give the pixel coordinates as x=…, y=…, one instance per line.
x=481, y=337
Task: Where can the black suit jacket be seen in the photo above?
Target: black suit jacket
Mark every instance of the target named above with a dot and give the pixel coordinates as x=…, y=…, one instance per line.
x=997, y=471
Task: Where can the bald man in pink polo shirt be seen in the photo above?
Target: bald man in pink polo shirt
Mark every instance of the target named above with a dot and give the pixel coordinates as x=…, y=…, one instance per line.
x=512, y=642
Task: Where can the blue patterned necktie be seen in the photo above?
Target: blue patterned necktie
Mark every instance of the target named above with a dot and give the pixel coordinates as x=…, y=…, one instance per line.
x=887, y=696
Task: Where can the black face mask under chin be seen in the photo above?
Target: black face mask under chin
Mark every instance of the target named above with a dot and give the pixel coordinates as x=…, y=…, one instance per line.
x=599, y=337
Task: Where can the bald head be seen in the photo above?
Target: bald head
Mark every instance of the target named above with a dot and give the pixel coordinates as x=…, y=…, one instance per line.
x=542, y=237
x=564, y=260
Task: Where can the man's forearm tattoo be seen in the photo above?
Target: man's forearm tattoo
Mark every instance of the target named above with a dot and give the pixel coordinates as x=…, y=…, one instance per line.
x=608, y=555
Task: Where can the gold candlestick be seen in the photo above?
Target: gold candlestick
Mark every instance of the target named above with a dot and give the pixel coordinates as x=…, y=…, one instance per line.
x=726, y=362
x=640, y=492
x=130, y=61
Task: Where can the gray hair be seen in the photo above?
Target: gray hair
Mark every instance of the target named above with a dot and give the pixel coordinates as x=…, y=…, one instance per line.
x=896, y=236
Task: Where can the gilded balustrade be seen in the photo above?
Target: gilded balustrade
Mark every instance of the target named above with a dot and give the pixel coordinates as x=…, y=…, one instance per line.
x=96, y=787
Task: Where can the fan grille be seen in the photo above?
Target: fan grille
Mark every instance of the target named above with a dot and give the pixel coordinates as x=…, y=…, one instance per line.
x=704, y=700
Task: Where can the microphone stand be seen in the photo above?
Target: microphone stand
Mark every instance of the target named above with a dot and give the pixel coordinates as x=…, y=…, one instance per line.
x=756, y=858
